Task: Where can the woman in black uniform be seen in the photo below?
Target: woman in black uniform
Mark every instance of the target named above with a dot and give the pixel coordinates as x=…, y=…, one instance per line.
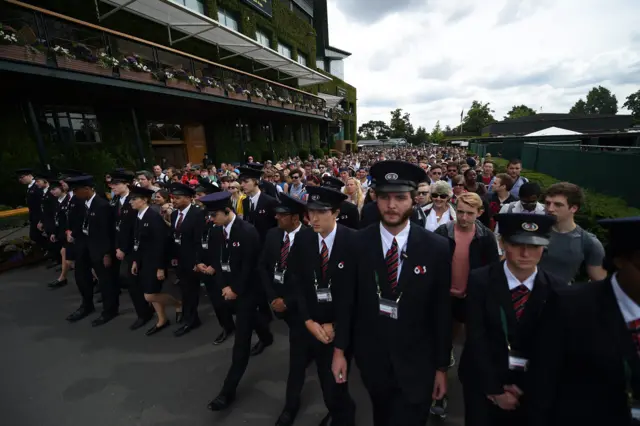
x=149, y=266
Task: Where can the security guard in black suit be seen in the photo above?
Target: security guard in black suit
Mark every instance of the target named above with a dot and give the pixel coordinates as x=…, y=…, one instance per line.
x=94, y=250
x=504, y=303
x=588, y=367
x=34, y=200
x=279, y=287
x=234, y=263
x=370, y=213
x=48, y=207
x=258, y=208
x=187, y=223
x=57, y=234
x=75, y=217
x=323, y=268
x=398, y=316
x=265, y=186
x=223, y=311
x=349, y=215
x=125, y=219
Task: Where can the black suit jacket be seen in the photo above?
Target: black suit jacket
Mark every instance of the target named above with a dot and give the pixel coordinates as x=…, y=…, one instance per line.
x=99, y=218
x=75, y=215
x=150, y=233
x=485, y=360
x=408, y=350
x=49, y=209
x=242, y=252
x=349, y=215
x=62, y=217
x=34, y=200
x=263, y=217
x=580, y=375
x=125, y=219
x=305, y=266
x=268, y=188
x=190, y=235
x=269, y=258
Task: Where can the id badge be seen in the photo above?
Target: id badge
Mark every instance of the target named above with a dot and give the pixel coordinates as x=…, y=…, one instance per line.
x=278, y=276
x=205, y=246
x=85, y=231
x=135, y=247
x=57, y=222
x=226, y=267
x=177, y=240
x=324, y=295
x=518, y=363
x=635, y=411
x=389, y=308
x=118, y=227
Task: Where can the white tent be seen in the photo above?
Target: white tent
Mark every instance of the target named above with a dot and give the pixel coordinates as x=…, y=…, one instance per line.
x=554, y=131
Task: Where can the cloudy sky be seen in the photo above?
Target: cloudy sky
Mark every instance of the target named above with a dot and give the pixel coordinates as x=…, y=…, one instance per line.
x=433, y=57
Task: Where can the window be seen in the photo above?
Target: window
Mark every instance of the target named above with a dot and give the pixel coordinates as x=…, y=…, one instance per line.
x=263, y=39
x=337, y=69
x=227, y=19
x=72, y=125
x=302, y=60
x=320, y=64
x=284, y=50
x=197, y=5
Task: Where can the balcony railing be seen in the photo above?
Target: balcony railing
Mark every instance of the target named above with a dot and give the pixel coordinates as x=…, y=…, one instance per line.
x=29, y=34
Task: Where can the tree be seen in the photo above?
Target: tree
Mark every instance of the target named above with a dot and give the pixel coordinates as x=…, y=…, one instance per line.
x=478, y=116
x=374, y=130
x=421, y=136
x=633, y=104
x=600, y=100
x=518, y=111
x=437, y=136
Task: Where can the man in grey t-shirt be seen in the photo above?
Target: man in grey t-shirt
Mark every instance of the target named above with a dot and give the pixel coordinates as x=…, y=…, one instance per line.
x=570, y=245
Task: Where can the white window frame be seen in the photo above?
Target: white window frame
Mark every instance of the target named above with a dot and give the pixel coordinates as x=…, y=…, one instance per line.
x=225, y=18
x=302, y=59
x=284, y=50
x=263, y=39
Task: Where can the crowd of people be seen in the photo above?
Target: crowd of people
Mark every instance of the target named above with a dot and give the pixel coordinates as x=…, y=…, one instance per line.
x=384, y=258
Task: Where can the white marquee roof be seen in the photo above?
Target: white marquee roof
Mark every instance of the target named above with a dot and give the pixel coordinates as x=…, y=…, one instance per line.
x=194, y=24
x=553, y=131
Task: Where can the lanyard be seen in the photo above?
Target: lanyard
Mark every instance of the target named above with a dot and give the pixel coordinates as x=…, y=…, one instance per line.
x=627, y=377
x=503, y=320
x=315, y=281
x=380, y=291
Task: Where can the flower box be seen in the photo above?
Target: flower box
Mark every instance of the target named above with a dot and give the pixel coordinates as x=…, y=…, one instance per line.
x=257, y=100
x=238, y=96
x=182, y=85
x=142, y=77
x=82, y=66
x=22, y=53
x=216, y=91
x=289, y=106
x=274, y=103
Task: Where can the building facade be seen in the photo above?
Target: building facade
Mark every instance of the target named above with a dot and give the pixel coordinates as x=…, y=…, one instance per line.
x=98, y=84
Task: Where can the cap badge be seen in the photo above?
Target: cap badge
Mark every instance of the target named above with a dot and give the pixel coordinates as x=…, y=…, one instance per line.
x=315, y=197
x=391, y=176
x=530, y=227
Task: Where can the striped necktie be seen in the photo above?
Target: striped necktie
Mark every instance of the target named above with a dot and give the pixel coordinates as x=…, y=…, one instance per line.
x=519, y=297
x=284, y=252
x=634, y=328
x=324, y=255
x=392, y=265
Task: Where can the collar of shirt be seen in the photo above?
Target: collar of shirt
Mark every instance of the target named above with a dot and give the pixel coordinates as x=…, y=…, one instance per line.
x=629, y=309
x=401, y=239
x=228, y=227
x=184, y=214
x=61, y=198
x=292, y=235
x=514, y=282
x=123, y=198
x=141, y=213
x=45, y=189
x=328, y=241
x=90, y=200
x=254, y=199
x=33, y=182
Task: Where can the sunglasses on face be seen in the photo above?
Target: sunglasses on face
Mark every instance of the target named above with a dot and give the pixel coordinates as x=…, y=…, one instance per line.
x=295, y=177
x=459, y=184
x=423, y=193
x=442, y=196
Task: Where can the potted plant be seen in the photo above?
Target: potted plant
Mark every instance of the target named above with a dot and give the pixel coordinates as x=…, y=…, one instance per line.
x=287, y=103
x=80, y=58
x=18, y=252
x=133, y=68
x=13, y=48
x=163, y=76
x=235, y=91
x=211, y=86
x=258, y=97
x=272, y=97
x=182, y=80
x=107, y=62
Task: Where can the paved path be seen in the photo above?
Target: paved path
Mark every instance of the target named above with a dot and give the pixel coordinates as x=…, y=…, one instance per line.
x=59, y=374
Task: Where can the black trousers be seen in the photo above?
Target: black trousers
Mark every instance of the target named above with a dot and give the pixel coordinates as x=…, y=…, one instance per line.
x=190, y=289
x=479, y=411
x=124, y=279
x=248, y=319
x=391, y=408
x=223, y=311
x=83, y=276
x=299, y=357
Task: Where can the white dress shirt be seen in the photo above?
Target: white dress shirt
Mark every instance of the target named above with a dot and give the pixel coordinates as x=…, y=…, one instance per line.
x=629, y=309
x=184, y=215
x=254, y=201
x=328, y=241
x=514, y=282
x=228, y=227
x=401, y=239
x=292, y=236
x=33, y=182
x=141, y=213
x=123, y=198
x=89, y=201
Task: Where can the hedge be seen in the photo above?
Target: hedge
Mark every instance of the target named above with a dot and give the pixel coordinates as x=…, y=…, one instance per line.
x=597, y=206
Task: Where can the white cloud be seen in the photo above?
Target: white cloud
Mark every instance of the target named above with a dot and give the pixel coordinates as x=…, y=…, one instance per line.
x=432, y=58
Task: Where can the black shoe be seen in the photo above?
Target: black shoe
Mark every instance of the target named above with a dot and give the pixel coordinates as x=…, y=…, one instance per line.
x=179, y=317
x=221, y=402
x=103, y=319
x=57, y=284
x=81, y=313
x=222, y=337
x=156, y=328
x=287, y=417
x=259, y=347
x=187, y=328
x=326, y=421
x=140, y=322
x=439, y=408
